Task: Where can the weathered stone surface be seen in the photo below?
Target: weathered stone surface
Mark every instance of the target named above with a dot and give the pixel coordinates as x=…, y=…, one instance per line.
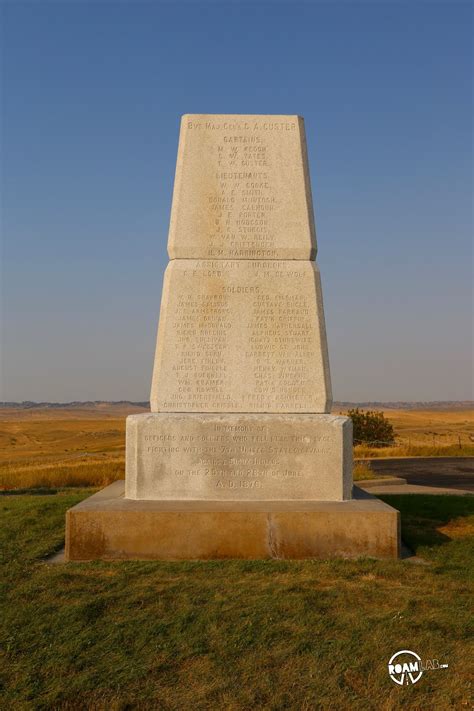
x=241, y=336
x=239, y=457
x=106, y=526
x=242, y=189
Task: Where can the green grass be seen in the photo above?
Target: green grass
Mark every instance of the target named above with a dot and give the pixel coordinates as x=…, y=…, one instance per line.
x=233, y=635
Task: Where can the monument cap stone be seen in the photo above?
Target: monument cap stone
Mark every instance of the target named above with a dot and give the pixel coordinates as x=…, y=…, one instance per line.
x=242, y=189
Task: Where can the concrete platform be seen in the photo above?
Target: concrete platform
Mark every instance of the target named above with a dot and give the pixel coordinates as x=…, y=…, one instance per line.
x=106, y=526
x=416, y=489
x=381, y=481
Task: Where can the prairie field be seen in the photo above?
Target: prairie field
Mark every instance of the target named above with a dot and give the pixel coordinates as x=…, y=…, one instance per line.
x=54, y=448
x=57, y=448
x=426, y=433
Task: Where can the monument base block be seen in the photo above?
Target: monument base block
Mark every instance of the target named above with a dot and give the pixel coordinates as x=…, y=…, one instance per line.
x=106, y=526
x=246, y=457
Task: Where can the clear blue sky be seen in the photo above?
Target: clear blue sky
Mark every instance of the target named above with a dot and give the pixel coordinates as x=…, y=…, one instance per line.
x=92, y=97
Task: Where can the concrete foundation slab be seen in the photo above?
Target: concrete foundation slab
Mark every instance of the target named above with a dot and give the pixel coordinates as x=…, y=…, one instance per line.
x=386, y=481
x=106, y=526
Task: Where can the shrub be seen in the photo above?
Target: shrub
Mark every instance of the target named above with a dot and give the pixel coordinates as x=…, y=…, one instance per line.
x=371, y=427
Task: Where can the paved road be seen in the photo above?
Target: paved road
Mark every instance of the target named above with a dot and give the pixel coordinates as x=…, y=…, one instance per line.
x=450, y=472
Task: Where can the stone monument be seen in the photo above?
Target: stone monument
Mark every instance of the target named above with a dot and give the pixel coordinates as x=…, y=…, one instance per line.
x=239, y=456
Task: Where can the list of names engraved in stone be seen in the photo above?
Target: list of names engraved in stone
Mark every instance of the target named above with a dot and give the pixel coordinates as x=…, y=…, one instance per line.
x=243, y=198
x=243, y=191
x=244, y=337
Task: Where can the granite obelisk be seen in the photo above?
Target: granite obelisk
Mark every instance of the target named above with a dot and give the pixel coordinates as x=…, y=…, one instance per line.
x=239, y=456
x=241, y=337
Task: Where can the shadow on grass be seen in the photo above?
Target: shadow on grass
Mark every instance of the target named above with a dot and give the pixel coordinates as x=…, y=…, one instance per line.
x=40, y=491
x=423, y=515
x=428, y=522
x=48, y=491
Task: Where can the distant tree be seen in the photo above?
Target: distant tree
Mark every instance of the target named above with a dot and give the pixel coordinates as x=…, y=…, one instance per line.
x=371, y=427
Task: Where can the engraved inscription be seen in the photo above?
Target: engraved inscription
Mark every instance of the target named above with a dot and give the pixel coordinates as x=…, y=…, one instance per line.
x=243, y=197
x=183, y=456
x=245, y=338
x=241, y=456
x=242, y=190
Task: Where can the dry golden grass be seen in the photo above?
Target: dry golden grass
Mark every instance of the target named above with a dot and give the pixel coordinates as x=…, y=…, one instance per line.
x=39, y=448
x=91, y=473
x=426, y=433
x=85, y=447
x=414, y=450
x=363, y=470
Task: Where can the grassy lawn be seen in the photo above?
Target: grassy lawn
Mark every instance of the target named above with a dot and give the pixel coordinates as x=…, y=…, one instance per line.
x=233, y=635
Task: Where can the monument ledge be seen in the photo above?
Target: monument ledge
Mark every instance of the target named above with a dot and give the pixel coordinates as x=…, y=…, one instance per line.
x=107, y=526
